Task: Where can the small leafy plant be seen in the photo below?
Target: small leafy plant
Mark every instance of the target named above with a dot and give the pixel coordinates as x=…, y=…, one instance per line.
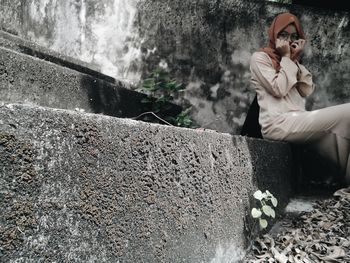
x=267, y=202
x=161, y=90
x=183, y=119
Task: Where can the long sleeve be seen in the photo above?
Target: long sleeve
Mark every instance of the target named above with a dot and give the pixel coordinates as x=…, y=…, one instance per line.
x=276, y=83
x=305, y=83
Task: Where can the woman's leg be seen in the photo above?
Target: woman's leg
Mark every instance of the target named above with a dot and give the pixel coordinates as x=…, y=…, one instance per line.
x=327, y=130
x=304, y=127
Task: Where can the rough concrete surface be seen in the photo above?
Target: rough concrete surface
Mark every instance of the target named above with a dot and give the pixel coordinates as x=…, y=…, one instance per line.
x=91, y=188
x=206, y=44
x=21, y=45
x=28, y=79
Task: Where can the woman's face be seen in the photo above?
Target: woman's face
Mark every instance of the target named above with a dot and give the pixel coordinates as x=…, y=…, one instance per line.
x=289, y=33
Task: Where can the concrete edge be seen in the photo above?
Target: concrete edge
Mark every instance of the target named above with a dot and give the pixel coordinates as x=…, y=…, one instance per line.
x=32, y=49
x=74, y=172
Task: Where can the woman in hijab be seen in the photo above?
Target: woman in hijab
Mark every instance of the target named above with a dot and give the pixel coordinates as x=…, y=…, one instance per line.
x=282, y=83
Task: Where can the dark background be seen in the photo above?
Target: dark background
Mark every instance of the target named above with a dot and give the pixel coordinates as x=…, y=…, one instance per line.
x=334, y=4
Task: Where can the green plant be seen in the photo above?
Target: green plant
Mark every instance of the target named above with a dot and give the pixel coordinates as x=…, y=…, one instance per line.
x=183, y=119
x=161, y=90
x=265, y=209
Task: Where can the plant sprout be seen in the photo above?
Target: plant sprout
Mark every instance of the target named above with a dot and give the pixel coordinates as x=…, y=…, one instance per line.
x=266, y=209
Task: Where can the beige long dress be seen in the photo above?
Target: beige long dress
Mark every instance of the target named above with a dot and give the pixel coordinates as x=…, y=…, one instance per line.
x=281, y=97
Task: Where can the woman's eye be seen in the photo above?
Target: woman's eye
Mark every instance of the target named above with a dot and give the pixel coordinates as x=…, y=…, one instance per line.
x=295, y=36
x=284, y=35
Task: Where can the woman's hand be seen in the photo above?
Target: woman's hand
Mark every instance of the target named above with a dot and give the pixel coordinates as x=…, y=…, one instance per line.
x=283, y=48
x=296, y=48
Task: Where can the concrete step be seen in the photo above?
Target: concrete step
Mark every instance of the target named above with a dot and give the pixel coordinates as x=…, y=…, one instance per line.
x=34, y=75
x=92, y=188
x=23, y=46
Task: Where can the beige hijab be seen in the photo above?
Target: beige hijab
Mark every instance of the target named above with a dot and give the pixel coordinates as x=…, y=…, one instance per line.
x=279, y=22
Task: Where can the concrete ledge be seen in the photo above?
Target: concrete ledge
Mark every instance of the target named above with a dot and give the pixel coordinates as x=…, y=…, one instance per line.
x=27, y=79
x=92, y=188
x=20, y=45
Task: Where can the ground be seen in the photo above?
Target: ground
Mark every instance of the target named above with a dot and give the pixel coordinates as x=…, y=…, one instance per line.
x=320, y=233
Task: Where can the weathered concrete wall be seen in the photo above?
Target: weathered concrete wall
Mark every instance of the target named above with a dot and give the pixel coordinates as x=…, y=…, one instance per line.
x=98, y=32
x=34, y=80
x=21, y=45
x=206, y=44
x=92, y=188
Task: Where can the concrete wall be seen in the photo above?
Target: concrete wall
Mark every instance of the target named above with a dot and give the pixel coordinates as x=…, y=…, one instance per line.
x=205, y=44
x=33, y=75
x=208, y=44
x=92, y=188
x=98, y=32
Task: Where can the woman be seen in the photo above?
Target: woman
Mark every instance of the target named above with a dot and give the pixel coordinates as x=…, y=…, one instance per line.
x=282, y=84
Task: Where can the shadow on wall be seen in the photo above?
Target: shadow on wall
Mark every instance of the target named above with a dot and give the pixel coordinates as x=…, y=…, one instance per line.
x=315, y=174
x=310, y=173
x=115, y=100
x=272, y=169
x=106, y=98
x=285, y=170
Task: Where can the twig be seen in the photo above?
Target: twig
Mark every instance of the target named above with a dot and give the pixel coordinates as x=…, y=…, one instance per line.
x=155, y=115
x=20, y=230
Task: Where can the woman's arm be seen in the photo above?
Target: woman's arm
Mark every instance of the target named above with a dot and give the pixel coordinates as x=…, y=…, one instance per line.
x=305, y=84
x=276, y=83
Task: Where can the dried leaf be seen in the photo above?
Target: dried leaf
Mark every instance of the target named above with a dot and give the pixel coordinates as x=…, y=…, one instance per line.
x=321, y=235
x=344, y=193
x=335, y=253
x=262, y=245
x=281, y=258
